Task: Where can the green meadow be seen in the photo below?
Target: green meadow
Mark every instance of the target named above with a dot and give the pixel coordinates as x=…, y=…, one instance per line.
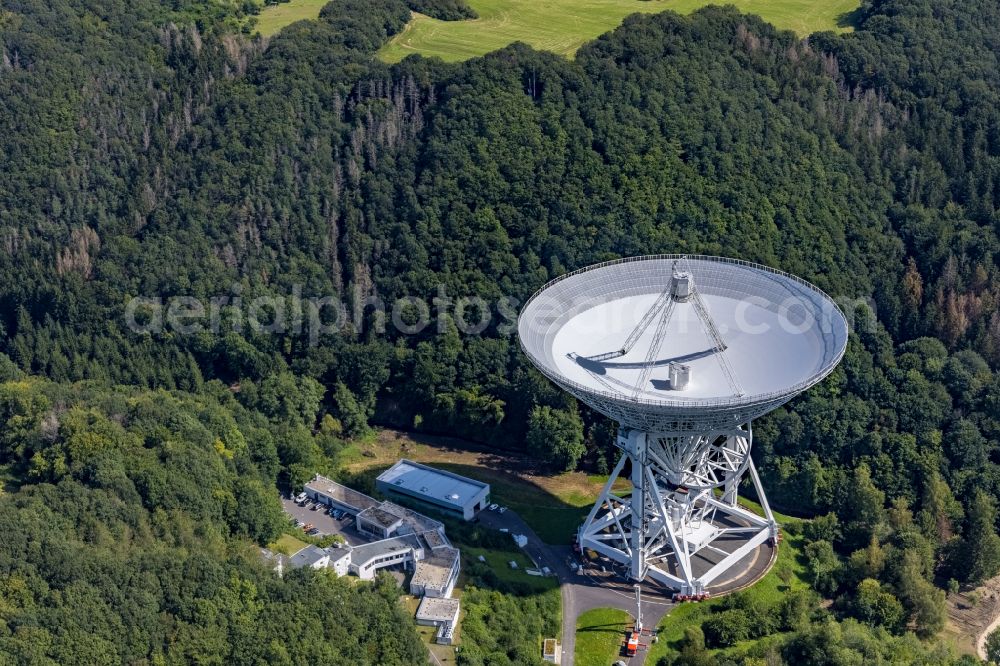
x=599, y=636
x=560, y=26
x=563, y=26
x=273, y=18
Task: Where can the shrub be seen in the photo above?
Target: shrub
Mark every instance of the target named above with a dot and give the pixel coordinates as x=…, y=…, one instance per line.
x=727, y=628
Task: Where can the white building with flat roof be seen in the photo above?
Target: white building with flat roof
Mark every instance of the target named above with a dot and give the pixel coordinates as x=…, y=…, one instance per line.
x=440, y=613
x=436, y=575
x=334, y=557
x=445, y=491
x=402, y=551
x=329, y=492
x=400, y=537
x=310, y=556
x=378, y=521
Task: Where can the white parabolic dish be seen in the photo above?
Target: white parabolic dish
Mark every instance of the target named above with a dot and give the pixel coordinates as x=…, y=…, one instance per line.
x=782, y=336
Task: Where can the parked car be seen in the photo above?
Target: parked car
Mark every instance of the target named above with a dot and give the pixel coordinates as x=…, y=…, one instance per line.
x=502, y=509
x=301, y=498
x=493, y=507
x=314, y=531
x=308, y=526
x=315, y=506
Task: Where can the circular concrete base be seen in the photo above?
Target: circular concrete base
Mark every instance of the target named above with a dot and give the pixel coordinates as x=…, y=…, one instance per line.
x=747, y=571
x=744, y=573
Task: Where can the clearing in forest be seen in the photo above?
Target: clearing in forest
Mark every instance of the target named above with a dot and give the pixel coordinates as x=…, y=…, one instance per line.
x=971, y=616
x=273, y=18
x=553, y=505
x=563, y=26
x=560, y=26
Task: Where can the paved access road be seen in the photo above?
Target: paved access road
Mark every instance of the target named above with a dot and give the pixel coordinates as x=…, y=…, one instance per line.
x=580, y=593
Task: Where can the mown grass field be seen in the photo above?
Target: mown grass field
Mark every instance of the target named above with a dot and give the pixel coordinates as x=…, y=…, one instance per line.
x=599, y=635
x=560, y=26
x=275, y=17
x=499, y=562
x=563, y=26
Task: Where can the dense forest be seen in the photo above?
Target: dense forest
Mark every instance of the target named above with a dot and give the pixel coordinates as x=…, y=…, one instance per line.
x=132, y=540
x=155, y=151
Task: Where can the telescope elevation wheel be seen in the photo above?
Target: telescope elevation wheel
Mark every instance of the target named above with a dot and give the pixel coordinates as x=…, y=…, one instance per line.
x=701, y=461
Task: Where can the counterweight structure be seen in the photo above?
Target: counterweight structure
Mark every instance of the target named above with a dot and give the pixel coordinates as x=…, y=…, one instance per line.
x=683, y=352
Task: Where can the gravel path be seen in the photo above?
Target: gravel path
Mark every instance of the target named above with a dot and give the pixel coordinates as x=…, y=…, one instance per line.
x=981, y=641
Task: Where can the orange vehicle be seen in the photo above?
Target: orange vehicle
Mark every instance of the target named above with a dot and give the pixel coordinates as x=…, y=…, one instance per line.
x=632, y=646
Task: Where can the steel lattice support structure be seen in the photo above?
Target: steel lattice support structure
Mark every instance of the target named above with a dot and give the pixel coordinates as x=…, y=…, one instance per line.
x=684, y=498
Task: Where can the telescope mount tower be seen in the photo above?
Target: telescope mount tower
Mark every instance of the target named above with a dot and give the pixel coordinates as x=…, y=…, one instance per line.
x=685, y=480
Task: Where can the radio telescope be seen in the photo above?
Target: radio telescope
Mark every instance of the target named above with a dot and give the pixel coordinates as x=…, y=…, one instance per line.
x=683, y=352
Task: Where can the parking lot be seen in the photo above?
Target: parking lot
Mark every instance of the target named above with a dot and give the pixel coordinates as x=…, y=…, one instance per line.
x=326, y=524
